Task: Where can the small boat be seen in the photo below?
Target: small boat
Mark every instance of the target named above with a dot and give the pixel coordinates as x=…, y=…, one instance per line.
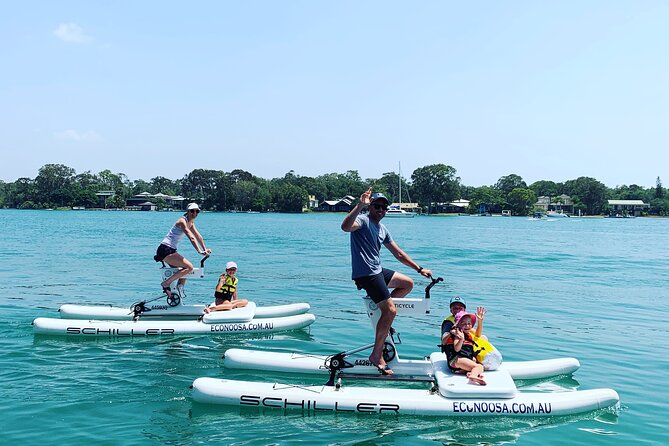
x=449, y=394
x=212, y=323
x=395, y=211
x=556, y=214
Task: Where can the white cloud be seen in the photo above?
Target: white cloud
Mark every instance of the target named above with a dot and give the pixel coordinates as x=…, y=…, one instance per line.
x=73, y=135
x=72, y=33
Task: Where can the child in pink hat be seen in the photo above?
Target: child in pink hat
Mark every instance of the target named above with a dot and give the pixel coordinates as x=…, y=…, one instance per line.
x=459, y=349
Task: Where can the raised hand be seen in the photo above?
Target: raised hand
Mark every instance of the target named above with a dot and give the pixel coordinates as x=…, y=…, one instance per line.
x=480, y=313
x=365, y=198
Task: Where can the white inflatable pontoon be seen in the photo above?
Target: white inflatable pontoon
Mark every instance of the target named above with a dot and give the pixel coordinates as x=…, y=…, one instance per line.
x=162, y=311
x=450, y=394
x=92, y=328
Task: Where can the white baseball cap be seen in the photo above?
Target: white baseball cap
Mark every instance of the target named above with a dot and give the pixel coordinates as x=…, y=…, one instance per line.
x=230, y=265
x=192, y=206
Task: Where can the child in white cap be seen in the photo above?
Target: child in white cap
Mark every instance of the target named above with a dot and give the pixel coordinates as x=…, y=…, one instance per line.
x=226, y=291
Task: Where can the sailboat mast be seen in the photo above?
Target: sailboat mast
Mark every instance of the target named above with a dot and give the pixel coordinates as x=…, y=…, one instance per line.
x=399, y=180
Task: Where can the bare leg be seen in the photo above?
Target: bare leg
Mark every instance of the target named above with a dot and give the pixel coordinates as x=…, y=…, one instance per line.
x=225, y=306
x=475, y=370
x=176, y=260
x=239, y=303
x=401, y=284
x=388, y=313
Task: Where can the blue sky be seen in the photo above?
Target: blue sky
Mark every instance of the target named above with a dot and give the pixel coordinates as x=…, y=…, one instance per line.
x=546, y=90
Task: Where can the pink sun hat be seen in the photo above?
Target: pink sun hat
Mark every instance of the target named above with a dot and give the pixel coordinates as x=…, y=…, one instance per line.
x=459, y=315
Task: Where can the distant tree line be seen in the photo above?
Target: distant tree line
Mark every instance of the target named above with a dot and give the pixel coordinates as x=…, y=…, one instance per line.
x=57, y=185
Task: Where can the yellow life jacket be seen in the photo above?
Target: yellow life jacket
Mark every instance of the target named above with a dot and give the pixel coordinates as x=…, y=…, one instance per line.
x=229, y=286
x=450, y=318
x=486, y=353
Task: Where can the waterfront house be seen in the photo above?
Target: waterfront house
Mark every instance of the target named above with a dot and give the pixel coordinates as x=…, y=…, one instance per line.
x=103, y=196
x=311, y=204
x=143, y=201
x=458, y=206
x=341, y=205
x=562, y=203
x=624, y=208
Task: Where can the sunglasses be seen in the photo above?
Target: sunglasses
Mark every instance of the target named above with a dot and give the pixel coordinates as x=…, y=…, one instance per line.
x=381, y=206
x=195, y=211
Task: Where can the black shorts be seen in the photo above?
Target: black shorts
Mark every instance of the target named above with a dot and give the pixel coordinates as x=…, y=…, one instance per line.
x=376, y=285
x=222, y=297
x=162, y=252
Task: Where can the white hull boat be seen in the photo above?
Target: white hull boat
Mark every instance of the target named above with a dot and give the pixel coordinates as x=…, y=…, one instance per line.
x=449, y=394
x=212, y=323
x=396, y=212
x=236, y=358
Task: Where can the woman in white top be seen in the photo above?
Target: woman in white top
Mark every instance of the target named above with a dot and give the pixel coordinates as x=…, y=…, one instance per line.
x=167, y=251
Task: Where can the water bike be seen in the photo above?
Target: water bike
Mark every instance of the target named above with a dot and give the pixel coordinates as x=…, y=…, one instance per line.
x=145, y=318
x=448, y=393
x=174, y=308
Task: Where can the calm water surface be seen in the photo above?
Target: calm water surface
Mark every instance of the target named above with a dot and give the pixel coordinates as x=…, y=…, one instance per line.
x=595, y=289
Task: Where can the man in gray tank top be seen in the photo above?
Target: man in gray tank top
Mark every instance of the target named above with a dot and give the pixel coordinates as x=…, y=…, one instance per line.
x=367, y=236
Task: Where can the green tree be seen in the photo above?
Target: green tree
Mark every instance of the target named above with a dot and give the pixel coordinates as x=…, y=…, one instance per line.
x=590, y=192
x=240, y=175
x=631, y=192
x=388, y=184
x=339, y=185
x=466, y=192
x=521, y=200
x=205, y=186
x=139, y=186
x=435, y=183
x=111, y=181
x=659, y=191
x=659, y=206
x=313, y=187
x=488, y=196
x=510, y=182
x=54, y=184
x=20, y=191
x=545, y=188
x=28, y=204
x=289, y=197
x=4, y=188
x=116, y=201
x=162, y=185
x=245, y=193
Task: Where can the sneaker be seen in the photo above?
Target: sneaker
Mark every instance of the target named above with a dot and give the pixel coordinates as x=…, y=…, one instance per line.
x=180, y=290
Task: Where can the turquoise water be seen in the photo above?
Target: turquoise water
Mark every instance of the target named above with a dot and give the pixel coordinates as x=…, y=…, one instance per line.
x=595, y=289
